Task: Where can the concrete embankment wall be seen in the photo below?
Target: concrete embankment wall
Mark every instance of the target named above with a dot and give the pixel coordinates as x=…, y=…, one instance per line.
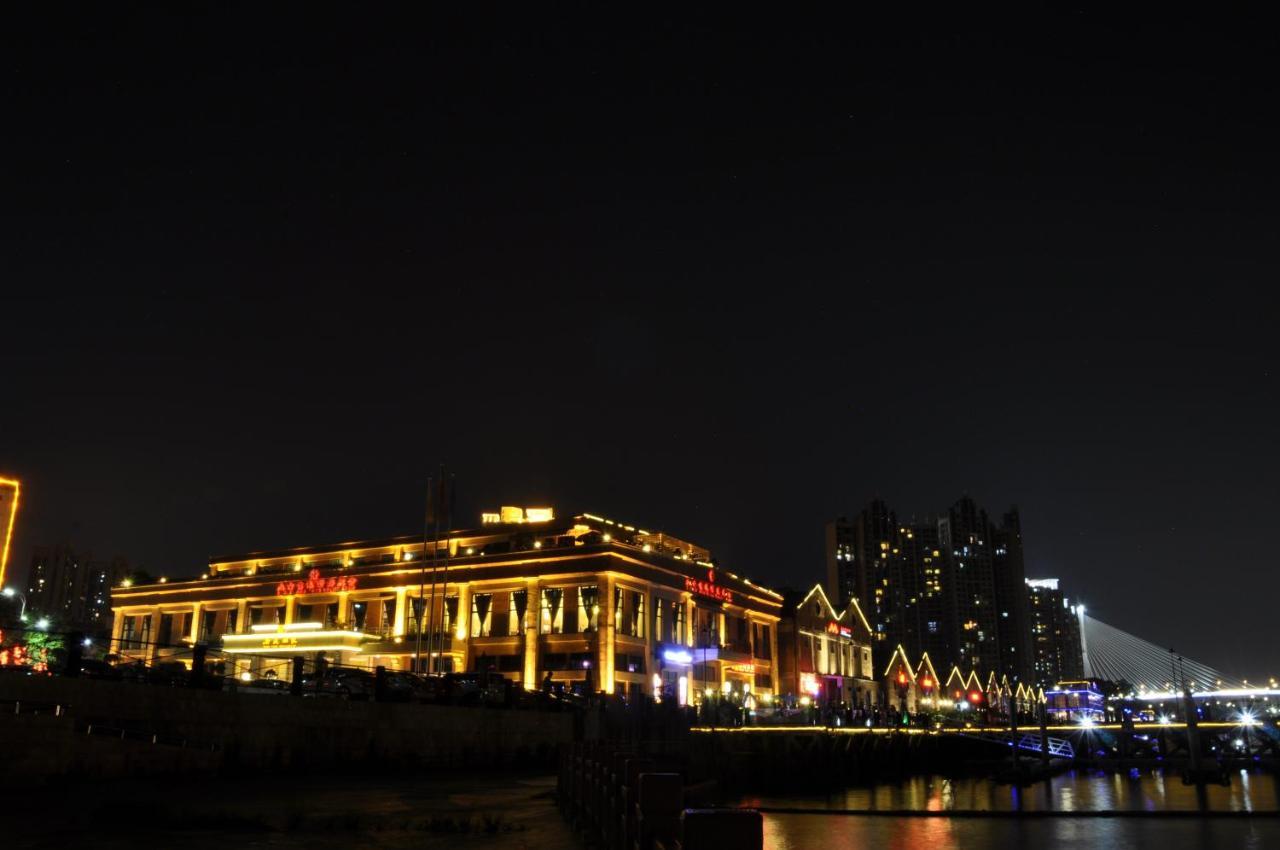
x=260, y=733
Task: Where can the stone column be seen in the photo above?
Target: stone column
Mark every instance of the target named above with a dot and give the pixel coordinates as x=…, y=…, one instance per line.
x=290, y=604
x=194, y=631
x=608, y=635
x=773, y=657
x=153, y=635
x=461, y=637
x=117, y=631
x=398, y=628
x=344, y=609
x=532, y=614
x=650, y=666
x=242, y=616
x=688, y=619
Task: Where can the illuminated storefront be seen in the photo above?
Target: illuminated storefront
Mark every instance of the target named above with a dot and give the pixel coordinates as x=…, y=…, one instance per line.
x=1074, y=702
x=900, y=684
x=825, y=656
x=598, y=604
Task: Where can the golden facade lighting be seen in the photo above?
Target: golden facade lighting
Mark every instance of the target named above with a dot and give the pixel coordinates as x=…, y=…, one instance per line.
x=275, y=638
x=350, y=573
x=9, y=491
x=514, y=515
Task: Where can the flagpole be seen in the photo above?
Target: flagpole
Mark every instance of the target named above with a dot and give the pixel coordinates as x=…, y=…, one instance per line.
x=446, y=491
x=435, y=549
x=422, y=576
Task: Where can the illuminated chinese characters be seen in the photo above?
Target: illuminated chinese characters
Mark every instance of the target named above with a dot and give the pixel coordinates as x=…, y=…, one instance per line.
x=315, y=583
x=708, y=588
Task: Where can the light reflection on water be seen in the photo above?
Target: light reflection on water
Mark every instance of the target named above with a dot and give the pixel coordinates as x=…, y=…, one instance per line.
x=1074, y=791
x=1068, y=792
x=840, y=832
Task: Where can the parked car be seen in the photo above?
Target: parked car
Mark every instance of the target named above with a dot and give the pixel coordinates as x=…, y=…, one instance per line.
x=406, y=687
x=477, y=688
x=344, y=682
x=271, y=687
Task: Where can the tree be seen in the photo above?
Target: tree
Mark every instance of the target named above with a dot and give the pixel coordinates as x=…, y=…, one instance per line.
x=30, y=648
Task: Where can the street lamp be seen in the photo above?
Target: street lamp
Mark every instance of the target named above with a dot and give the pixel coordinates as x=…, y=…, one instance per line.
x=9, y=592
x=42, y=623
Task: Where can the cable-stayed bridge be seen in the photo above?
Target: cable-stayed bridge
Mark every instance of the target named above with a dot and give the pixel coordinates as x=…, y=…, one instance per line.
x=1116, y=655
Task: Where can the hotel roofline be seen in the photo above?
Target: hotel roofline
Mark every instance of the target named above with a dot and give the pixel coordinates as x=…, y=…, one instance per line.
x=584, y=536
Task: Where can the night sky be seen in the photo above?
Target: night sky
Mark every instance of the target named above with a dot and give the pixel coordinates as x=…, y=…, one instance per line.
x=727, y=278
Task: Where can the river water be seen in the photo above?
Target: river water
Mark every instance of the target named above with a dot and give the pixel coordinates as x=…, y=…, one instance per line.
x=1065, y=812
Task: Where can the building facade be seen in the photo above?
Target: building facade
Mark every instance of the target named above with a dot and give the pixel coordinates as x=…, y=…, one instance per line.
x=1075, y=702
x=1013, y=625
x=1057, y=650
x=964, y=532
x=73, y=587
x=589, y=603
x=824, y=655
x=842, y=580
x=861, y=570
x=950, y=586
x=925, y=598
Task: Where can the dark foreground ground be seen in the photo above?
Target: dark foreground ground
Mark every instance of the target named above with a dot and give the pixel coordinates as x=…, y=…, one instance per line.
x=320, y=811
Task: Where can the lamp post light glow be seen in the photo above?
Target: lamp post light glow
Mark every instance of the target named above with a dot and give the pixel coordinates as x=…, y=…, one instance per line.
x=9, y=593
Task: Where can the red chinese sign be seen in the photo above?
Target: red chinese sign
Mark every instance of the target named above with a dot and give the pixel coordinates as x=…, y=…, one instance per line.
x=708, y=588
x=836, y=629
x=315, y=583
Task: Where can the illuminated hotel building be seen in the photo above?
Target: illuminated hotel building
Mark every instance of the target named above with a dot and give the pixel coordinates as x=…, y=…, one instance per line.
x=595, y=603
